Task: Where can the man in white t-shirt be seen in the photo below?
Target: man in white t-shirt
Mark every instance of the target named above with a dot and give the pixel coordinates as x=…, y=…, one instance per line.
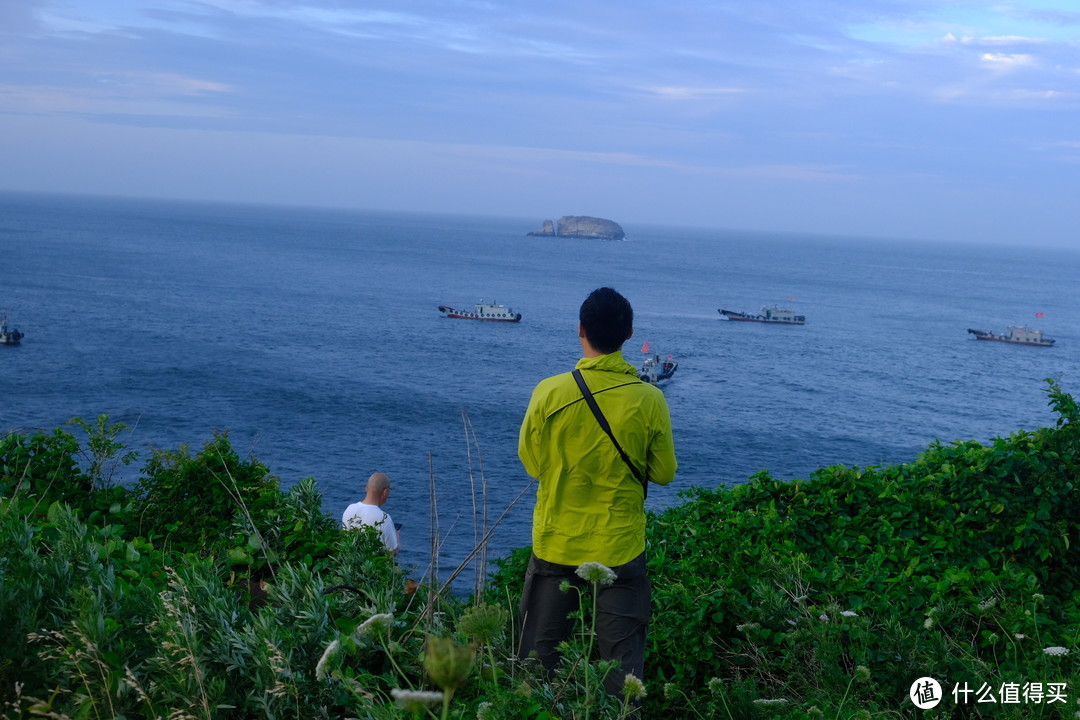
x=369, y=512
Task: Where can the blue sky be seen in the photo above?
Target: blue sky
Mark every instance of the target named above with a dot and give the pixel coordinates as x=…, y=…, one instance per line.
x=896, y=118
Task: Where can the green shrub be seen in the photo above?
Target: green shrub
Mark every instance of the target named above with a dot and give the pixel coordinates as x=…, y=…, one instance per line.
x=823, y=597
x=42, y=469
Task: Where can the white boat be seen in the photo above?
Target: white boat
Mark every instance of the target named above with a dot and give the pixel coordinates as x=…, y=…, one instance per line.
x=9, y=335
x=1017, y=335
x=484, y=311
x=654, y=370
x=769, y=314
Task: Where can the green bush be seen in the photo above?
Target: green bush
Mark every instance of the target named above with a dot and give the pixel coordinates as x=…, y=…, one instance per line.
x=206, y=591
x=41, y=469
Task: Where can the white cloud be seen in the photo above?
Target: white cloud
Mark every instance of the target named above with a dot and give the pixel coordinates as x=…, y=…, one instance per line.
x=540, y=160
x=675, y=92
x=124, y=93
x=963, y=39
x=992, y=40
x=1008, y=59
x=1010, y=40
x=813, y=173
x=1022, y=94
x=34, y=100
x=170, y=83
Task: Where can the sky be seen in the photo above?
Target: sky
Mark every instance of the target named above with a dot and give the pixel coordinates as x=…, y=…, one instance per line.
x=924, y=119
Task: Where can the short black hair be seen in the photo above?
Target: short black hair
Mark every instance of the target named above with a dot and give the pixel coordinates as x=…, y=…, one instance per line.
x=607, y=318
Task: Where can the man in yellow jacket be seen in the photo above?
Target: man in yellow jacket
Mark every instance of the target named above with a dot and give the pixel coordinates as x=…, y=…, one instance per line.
x=590, y=502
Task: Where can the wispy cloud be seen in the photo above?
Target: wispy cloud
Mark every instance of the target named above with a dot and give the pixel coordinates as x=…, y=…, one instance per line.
x=690, y=93
x=803, y=173
x=1008, y=60
x=993, y=40
x=538, y=158
x=162, y=83
x=1012, y=40
x=118, y=93
x=33, y=100
x=1023, y=94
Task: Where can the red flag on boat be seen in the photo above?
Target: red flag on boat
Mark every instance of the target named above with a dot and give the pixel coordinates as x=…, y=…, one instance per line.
x=1039, y=314
x=645, y=347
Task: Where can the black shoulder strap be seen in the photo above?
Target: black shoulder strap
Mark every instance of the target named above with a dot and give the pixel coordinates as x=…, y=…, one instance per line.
x=607, y=428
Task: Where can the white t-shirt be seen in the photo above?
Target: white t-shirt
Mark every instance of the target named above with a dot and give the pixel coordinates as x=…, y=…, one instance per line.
x=360, y=513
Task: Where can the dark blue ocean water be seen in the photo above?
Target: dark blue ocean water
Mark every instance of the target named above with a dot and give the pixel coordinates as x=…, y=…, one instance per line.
x=313, y=337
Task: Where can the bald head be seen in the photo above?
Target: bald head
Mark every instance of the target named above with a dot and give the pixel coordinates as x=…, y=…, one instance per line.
x=378, y=489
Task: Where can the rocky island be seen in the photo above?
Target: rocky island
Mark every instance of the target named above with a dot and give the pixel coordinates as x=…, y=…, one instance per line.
x=581, y=226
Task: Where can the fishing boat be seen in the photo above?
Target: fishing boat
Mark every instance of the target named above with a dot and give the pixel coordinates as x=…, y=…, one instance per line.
x=654, y=370
x=1015, y=334
x=9, y=335
x=769, y=314
x=483, y=311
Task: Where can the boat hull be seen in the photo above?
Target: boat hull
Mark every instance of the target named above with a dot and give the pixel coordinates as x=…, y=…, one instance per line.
x=503, y=315
x=743, y=317
x=993, y=337
x=469, y=316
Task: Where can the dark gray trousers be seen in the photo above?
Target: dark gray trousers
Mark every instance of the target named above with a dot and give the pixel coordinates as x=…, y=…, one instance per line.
x=621, y=622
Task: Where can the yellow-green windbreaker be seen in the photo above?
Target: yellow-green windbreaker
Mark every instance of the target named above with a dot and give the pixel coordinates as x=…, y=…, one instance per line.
x=589, y=505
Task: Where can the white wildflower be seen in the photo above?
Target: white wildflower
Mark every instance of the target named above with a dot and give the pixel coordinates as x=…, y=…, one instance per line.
x=770, y=702
x=715, y=685
x=1056, y=650
x=633, y=688
x=849, y=613
x=747, y=626
x=595, y=572
x=1019, y=636
x=415, y=700
x=823, y=617
x=928, y=622
x=987, y=604
x=483, y=711
x=1038, y=597
x=375, y=623
x=329, y=654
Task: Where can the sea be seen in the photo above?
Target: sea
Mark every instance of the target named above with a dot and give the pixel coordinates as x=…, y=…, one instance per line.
x=312, y=336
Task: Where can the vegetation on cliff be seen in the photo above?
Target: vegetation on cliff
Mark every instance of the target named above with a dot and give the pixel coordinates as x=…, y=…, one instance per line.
x=204, y=590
